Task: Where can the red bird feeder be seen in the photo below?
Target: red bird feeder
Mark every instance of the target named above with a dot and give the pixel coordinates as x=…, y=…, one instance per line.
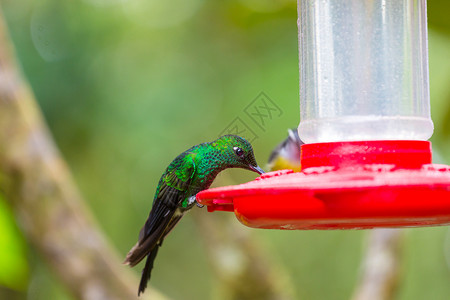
x=365, y=119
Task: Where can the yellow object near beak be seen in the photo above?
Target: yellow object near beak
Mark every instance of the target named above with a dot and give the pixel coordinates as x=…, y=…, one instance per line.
x=281, y=163
x=287, y=154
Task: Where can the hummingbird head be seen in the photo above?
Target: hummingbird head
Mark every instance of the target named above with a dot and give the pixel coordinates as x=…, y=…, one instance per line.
x=238, y=153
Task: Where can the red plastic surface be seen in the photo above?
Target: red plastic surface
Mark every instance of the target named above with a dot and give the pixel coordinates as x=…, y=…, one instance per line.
x=403, y=154
x=346, y=185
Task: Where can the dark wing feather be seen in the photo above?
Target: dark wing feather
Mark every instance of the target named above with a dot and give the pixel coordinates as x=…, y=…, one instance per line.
x=166, y=203
x=148, y=242
x=147, y=271
x=173, y=188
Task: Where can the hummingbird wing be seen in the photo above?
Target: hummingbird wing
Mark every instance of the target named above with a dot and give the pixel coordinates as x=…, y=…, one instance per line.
x=173, y=189
x=146, y=272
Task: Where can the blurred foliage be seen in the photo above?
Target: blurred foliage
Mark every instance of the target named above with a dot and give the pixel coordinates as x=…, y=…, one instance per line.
x=126, y=85
x=14, y=266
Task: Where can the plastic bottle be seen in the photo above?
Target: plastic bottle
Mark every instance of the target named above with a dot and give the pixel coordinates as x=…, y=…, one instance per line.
x=363, y=70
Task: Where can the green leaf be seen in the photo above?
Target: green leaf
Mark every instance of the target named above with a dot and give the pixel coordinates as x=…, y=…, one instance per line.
x=14, y=269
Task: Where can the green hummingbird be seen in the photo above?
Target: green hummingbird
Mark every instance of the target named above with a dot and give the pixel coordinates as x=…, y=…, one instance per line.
x=189, y=173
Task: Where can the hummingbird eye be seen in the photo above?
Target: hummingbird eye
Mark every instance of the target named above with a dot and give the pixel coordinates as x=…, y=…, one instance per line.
x=239, y=152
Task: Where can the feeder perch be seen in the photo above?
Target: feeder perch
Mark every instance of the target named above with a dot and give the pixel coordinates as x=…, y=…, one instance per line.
x=365, y=121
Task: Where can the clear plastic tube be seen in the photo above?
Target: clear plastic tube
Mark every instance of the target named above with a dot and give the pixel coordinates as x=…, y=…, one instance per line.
x=363, y=70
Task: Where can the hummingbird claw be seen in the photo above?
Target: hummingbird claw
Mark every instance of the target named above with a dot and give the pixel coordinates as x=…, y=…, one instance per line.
x=192, y=200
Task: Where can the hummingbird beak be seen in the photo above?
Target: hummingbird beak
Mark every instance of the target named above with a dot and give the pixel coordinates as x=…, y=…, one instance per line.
x=256, y=169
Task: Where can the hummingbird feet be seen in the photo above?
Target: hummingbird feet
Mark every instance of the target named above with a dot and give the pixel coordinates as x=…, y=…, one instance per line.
x=192, y=200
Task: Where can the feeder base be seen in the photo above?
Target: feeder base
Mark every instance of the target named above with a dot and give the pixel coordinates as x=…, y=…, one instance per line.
x=340, y=195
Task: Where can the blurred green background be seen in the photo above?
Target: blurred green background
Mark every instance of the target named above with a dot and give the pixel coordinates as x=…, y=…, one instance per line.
x=126, y=85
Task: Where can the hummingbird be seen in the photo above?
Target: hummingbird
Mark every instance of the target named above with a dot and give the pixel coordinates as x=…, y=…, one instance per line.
x=189, y=173
x=287, y=154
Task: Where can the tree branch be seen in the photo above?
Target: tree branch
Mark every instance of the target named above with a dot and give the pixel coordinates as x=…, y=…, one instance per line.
x=244, y=270
x=48, y=206
x=381, y=265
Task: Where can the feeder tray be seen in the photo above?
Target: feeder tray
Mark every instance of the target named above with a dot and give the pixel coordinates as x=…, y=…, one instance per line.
x=344, y=186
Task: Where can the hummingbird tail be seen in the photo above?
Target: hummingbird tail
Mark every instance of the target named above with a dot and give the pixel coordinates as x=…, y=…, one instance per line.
x=146, y=272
